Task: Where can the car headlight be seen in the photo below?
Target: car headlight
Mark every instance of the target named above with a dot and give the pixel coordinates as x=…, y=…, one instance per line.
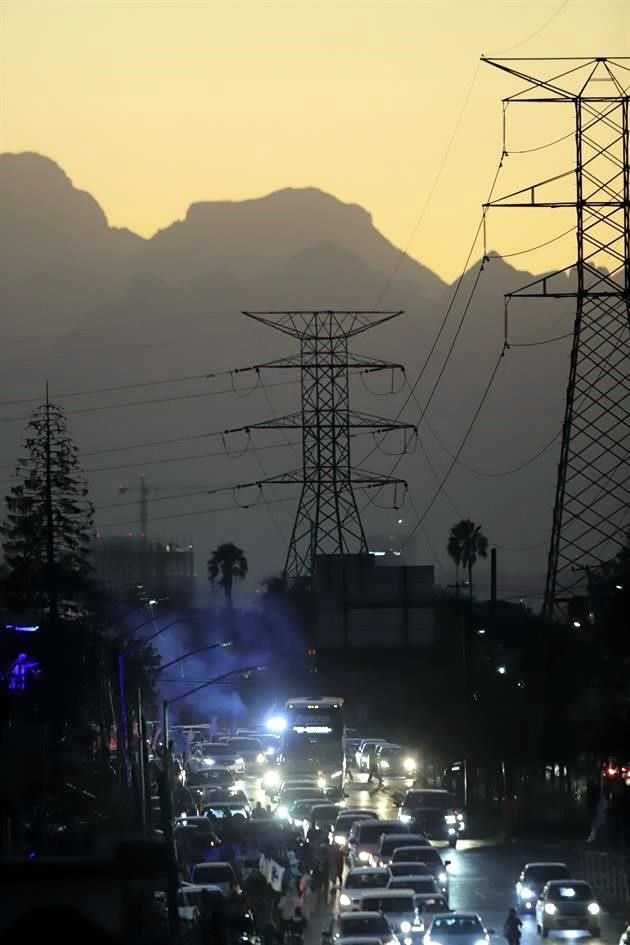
x=527, y=893
x=208, y=762
x=239, y=761
x=340, y=839
x=345, y=900
x=261, y=758
x=270, y=752
x=460, y=816
x=442, y=877
x=593, y=908
x=452, y=831
x=364, y=856
x=404, y=818
x=450, y=818
x=282, y=812
x=408, y=940
x=271, y=779
x=384, y=764
x=409, y=764
x=481, y=941
x=405, y=927
x=321, y=783
x=551, y=908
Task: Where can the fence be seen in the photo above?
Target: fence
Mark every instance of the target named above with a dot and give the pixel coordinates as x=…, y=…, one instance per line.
x=608, y=875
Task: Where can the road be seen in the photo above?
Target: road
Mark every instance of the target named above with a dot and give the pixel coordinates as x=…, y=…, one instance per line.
x=482, y=877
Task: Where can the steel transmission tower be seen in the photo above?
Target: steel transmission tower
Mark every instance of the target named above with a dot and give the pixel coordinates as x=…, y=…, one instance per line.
x=327, y=519
x=593, y=483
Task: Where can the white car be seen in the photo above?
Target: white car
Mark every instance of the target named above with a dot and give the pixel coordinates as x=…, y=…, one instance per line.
x=219, y=874
x=421, y=885
x=456, y=928
x=189, y=900
x=359, y=880
x=360, y=925
x=399, y=908
x=568, y=905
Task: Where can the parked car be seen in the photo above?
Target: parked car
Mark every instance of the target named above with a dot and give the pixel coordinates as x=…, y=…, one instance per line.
x=567, y=905
x=532, y=880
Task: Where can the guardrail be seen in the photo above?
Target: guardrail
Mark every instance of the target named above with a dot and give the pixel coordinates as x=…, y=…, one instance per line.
x=608, y=874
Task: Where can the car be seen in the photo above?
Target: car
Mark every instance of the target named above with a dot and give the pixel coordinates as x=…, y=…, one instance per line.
x=344, y=821
x=567, y=905
x=384, y=853
x=218, y=811
x=364, y=837
x=361, y=940
x=456, y=928
x=437, y=866
x=409, y=869
x=203, y=781
x=298, y=811
x=251, y=750
x=421, y=885
x=394, y=761
x=435, y=812
x=624, y=938
x=372, y=925
x=429, y=904
x=189, y=899
x=398, y=907
x=532, y=880
x=321, y=818
x=209, y=754
x=358, y=880
x=364, y=749
x=220, y=874
x=290, y=795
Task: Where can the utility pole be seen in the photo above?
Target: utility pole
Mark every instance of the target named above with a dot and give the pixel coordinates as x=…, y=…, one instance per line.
x=593, y=480
x=51, y=565
x=328, y=521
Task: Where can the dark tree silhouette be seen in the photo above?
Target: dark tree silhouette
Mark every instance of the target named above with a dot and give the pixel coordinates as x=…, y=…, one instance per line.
x=226, y=565
x=467, y=543
x=48, y=524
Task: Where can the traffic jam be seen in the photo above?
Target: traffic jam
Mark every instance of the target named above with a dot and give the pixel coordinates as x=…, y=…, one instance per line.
x=354, y=846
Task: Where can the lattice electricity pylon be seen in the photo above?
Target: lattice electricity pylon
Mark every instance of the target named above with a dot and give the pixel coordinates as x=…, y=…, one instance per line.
x=327, y=519
x=593, y=484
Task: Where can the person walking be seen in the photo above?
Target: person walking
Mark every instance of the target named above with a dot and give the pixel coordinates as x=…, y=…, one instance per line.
x=512, y=927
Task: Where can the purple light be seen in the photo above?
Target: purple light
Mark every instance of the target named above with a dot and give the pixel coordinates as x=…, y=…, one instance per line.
x=21, y=629
x=20, y=670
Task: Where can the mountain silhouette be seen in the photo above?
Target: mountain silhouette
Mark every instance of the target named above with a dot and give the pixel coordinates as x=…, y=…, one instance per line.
x=89, y=306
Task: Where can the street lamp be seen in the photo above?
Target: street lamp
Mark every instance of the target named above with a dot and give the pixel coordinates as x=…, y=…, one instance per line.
x=167, y=801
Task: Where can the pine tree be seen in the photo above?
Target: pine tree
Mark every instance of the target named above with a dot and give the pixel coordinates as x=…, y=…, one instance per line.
x=48, y=523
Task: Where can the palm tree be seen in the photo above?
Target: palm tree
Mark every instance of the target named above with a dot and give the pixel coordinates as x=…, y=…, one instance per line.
x=226, y=565
x=466, y=543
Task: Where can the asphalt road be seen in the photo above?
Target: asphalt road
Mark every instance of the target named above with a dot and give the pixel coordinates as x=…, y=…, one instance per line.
x=482, y=877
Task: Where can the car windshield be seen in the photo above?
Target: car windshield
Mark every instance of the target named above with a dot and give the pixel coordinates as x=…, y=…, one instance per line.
x=457, y=925
x=369, y=925
x=388, y=904
x=324, y=813
x=299, y=794
x=542, y=874
x=302, y=808
x=570, y=892
x=436, y=800
x=370, y=832
x=345, y=821
x=366, y=880
x=217, y=750
x=212, y=776
x=431, y=857
x=411, y=854
x=409, y=869
x=246, y=744
x=221, y=812
x=419, y=884
x=213, y=873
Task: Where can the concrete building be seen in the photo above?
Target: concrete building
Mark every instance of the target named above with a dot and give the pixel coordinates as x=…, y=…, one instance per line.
x=162, y=568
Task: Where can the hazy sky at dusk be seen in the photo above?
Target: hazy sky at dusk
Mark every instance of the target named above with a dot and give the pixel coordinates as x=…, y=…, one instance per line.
x=153, y=105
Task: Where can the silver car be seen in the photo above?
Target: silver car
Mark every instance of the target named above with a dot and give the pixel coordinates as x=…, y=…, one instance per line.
x=360, y=880
x=456, y=928
x=399, y=908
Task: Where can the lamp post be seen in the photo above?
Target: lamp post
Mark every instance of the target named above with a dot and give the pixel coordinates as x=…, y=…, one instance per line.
x=167, y=799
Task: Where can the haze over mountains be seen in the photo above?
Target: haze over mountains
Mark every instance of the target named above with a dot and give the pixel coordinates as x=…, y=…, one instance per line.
x=88, y=306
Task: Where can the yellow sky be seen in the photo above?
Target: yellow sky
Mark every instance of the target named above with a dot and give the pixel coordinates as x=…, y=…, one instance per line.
x=153, y=104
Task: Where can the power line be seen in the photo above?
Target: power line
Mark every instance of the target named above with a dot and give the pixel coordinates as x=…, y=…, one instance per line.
x=536, y=32
x=460, y=448
x=531, y=249
x=162, y=518
x=403, y=252
x=498, y=473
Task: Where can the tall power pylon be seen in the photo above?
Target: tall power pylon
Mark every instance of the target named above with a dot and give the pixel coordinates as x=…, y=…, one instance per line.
x=327, y=519
x=593, y=483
